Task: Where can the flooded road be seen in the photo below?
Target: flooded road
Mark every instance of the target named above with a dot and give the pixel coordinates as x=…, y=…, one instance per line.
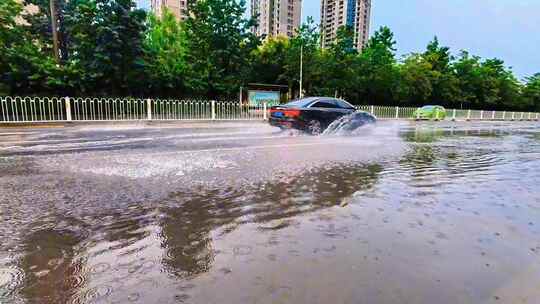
x=241, y=213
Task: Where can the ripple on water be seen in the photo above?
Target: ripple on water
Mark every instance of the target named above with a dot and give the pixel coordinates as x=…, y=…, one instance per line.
x=94, y=295
x=134, y=297
x=77, y=281
x=99, y=268
x=241, y=250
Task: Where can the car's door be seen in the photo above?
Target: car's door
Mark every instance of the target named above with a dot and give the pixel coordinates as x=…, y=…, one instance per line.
x=442, y=112
x=326, y=111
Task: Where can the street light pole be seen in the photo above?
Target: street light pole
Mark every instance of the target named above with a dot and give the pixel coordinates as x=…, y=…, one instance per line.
x=301, y=66
x=54, y=31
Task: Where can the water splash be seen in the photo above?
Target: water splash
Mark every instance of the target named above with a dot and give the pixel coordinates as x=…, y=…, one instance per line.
x=348, y=124
x=10, y=278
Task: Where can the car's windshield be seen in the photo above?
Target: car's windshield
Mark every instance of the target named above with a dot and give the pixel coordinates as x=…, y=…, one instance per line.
x=301, y=103
x=428, y=107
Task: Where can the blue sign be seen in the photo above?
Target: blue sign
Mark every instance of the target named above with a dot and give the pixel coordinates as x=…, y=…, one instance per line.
x=257, y=98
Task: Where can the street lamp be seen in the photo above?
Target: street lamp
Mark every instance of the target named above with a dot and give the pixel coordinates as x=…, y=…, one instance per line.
x=301, y=66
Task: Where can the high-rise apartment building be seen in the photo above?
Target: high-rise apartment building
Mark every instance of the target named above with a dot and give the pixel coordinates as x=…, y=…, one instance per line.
x=179, y=8
x=276, y=17
x=352, y=13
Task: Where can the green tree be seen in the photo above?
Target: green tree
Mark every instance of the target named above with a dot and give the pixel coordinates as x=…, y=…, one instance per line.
x=307, y=42
x=486, y=84
x=344, y=44
x=270, y=60
x=416, y=87
x=220, y=42
x=39, y=23
x=438, y=56
x=338, y=66
x=442, y=77
x=531, y=92
x=24, y=67
x=165, y=55
x=500, y=87
x=467, y=69
x=100, y=47
x=106, y=40
x=378, y=73
x=108, y=47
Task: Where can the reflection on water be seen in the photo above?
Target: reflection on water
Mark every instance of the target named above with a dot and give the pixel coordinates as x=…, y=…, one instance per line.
x=52, y=273
x=454, y=219
x=186, y=227
x=428, y=134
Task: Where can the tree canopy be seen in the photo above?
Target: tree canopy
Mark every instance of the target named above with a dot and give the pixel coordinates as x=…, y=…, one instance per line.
x=109, y=47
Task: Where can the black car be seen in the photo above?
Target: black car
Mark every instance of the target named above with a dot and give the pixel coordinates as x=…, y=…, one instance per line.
x=314, y=114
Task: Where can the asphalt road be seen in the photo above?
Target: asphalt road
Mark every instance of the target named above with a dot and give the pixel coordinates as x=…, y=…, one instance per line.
x=240, y=212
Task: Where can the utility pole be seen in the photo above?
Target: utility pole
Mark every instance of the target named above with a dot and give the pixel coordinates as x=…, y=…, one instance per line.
x=301, y=66
x=54, y=30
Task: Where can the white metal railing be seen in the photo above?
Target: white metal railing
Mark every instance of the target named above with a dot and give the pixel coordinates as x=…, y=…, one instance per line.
x=29, y=109
x=61, y=109
x=107, y=109
x=383, y=112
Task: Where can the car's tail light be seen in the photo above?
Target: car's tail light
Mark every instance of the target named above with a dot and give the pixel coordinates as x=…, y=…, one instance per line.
x=291, y=113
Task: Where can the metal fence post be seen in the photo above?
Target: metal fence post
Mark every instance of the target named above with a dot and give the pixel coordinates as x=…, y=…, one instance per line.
x=454, y=115
x=513, y=115
x=468, y=115
x=504, y=115
x=213, y=102
x=521, y=117
x=482, y=115
x=68, y=109
x=264, y=111
x=537, y=116
x=397, y=112
x=492, y=115
x=149, y=109
x=372, y=110
x=529, y=116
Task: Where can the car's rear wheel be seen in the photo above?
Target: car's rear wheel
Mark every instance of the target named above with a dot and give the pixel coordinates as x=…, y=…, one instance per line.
x=314, y=127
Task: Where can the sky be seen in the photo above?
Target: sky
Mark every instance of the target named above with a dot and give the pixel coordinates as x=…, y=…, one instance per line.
x=506, y=29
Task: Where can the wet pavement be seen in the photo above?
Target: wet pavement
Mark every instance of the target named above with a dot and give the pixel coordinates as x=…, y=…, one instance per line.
x=242, y=213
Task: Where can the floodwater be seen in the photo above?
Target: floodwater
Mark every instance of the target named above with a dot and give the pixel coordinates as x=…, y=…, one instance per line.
x=241, y=213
